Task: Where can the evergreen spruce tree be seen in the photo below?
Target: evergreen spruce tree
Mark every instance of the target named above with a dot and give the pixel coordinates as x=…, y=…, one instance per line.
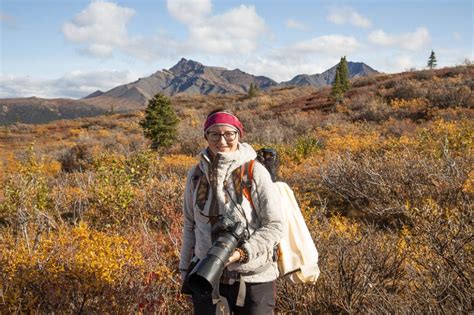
x=336, y=91
x=253, y=90
x=344, y=74
x=341, y=81
x=160, y=122
x=432, y=60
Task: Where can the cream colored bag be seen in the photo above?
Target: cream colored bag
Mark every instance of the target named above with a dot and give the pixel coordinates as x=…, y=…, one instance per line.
x=298, y=256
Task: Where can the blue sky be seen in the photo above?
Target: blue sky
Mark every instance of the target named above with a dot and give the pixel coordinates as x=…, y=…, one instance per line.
x=70, y=48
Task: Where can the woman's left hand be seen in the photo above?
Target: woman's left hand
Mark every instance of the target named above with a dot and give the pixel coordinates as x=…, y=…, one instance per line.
x=234, y=258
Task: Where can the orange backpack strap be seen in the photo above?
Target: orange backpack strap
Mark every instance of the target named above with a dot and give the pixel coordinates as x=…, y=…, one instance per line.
x=247, y=169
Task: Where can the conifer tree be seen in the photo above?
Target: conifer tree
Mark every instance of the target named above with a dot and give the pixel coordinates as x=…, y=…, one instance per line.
x=344, y=74
x=341, y=82
x=336, y=91
x=160, y=122
x=432, y=60
x=253, y=90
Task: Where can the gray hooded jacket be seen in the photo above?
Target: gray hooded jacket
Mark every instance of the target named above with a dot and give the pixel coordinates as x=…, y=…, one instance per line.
x=265, y=222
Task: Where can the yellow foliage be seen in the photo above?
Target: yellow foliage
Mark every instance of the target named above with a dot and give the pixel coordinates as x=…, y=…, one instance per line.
x=51, y=168
x=9, y=165
x=68, y=195
x=468, y=186
x=175, y=164
x=33, y=165
x=177, y=160
x=456, y=136
x=83, y=252
x=410, y=104
x=65, y=262
x=195, y=122
x=75, y=132
x=345, y=227
x=264, y=101
x=402, y=142
x=103, y=133
x=402, y=244
x=352, y=142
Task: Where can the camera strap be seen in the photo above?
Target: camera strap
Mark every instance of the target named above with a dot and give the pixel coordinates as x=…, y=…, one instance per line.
x=242, y=287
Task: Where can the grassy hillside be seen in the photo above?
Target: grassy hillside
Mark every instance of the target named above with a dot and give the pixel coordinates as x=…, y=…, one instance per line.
x=90, y=220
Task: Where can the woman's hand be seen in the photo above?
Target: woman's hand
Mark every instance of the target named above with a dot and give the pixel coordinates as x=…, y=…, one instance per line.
x=234, y=258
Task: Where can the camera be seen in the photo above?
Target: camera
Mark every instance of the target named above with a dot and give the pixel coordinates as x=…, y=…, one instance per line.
x=204, y=277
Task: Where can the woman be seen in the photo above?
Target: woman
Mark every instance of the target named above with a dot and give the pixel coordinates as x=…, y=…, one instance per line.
x=212, y=191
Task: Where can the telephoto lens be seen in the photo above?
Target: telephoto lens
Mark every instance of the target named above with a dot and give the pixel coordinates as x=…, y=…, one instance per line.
x=205, y=276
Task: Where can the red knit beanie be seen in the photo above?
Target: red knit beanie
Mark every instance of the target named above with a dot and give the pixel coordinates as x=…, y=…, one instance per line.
x=224, y=118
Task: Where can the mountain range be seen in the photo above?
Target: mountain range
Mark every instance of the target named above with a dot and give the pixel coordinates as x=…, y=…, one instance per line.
x=186, y=77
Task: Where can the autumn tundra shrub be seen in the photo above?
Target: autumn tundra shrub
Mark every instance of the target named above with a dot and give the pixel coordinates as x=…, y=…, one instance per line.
x=450, y=93
x=27, y=195
x=396, y=128
x=263, y=126
x=380, y=186
x=77, y=158
x=67, y=270
x=361, y=270
x=440, y=257
x=369, y=109
x=441, y=137
x=136, y=198
x=415, y=109
x=134, y=190
x=420, y=268
x=404, y=89
x=159, y=200
x=111, y=194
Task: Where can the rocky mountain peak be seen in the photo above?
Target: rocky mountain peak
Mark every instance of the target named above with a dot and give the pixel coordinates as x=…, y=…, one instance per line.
x=185, y=66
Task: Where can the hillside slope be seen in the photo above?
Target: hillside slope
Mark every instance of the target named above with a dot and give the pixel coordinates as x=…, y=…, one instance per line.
x=187, y=77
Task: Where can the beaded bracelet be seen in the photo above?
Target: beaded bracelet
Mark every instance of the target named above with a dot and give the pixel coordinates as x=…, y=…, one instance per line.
x=244, y=257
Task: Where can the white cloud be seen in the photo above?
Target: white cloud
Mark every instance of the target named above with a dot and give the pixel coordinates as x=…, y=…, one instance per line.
x=97, y=50
x=283, y=68
x=403, y=63
x=327, y=44
x=411, y=41
x=306, y=57
x=76, y=84
x=189, y=11
x=344, y=15
x=235, y=31
x=294, y=24
x=101, y=29
x=102, y=26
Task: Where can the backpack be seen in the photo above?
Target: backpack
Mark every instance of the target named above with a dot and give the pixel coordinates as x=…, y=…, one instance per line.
x=297, y=253
x=297, y=256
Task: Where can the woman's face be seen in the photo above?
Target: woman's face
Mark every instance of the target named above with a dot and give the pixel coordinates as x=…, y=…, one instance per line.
x=222, y=139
